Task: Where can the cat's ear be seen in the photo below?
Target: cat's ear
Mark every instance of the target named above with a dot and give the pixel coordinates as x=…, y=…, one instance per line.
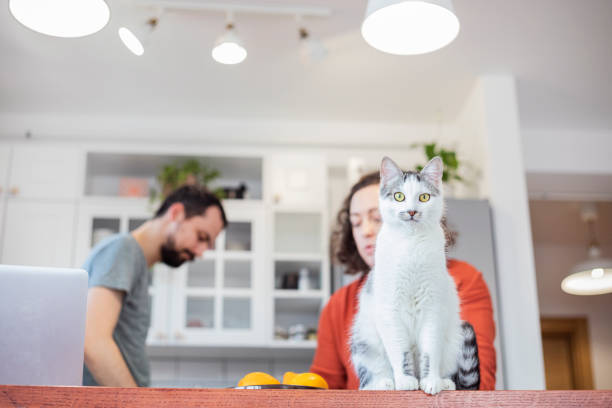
x=389, y=171
x=432, y=172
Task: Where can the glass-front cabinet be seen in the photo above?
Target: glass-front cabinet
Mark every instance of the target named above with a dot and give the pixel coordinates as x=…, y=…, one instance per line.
x=267, y=277
x=218, y=299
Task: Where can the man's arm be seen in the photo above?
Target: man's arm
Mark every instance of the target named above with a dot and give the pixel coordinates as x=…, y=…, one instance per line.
x=102, y=356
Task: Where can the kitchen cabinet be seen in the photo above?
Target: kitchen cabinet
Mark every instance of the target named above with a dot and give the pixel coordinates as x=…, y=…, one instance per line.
x=220, y=298
x=5, y=156
x=297, y=180
x=264, y=283
x=45, y=172
x=38, y=203
x=38, y=233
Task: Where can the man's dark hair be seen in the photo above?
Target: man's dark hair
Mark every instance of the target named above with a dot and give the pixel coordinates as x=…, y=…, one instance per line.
x=195, y=199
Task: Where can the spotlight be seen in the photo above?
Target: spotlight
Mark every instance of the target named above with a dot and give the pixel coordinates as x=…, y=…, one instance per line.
x=136, y=40
x=228, y=48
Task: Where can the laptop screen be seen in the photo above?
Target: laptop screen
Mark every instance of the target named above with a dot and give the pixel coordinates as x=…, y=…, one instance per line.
x=42, y=325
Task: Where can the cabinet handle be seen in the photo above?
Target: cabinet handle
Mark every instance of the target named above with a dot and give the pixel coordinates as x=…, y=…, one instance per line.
x=14, y=190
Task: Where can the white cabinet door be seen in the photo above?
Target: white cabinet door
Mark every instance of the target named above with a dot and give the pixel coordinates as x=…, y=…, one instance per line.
x=297, y=180
x=38, y=233
x=220, y=298
x=5, y=156
x=45, y=172
x=99, y=218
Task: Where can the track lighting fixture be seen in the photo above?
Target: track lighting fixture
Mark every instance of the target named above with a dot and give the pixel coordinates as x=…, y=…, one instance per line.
x=136, y=40
x=229, y=48
x=311, y=49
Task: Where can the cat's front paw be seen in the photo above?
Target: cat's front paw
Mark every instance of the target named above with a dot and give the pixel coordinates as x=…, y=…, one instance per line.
x=380, y=384
x=433, y=385
x=407, y=382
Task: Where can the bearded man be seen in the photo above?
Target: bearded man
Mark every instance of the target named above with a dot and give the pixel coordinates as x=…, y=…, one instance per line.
x=118, y=310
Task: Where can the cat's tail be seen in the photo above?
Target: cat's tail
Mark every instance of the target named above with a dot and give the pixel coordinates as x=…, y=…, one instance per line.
x=468, y=373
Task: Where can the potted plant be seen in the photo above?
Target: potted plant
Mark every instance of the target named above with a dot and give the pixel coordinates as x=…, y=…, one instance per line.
x=191, y=172
x=449, y=158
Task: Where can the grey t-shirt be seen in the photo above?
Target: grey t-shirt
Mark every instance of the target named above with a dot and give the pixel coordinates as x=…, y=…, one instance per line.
x=119, y=263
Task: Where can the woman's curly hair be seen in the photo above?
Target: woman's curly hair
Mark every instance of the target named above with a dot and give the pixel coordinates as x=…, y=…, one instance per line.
x=343, y=248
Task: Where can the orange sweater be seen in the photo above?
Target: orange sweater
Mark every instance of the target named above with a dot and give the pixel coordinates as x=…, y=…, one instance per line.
x=332, y=357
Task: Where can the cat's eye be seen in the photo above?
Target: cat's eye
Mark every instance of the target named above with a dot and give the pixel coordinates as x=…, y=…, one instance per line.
x=399, y=196
x=424, y=197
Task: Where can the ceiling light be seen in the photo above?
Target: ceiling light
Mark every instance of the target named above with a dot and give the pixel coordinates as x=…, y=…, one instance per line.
x=594, y=275
x=61, y=18
x=136, y=40
x=228, y=48
x=409, y=27
x=311, y=48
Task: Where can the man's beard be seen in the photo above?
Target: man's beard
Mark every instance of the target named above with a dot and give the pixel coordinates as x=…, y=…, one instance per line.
x=171, y=257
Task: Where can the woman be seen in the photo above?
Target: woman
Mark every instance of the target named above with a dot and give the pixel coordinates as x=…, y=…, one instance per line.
x=354, y=241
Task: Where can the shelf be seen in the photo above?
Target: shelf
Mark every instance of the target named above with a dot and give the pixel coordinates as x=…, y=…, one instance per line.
x=301, y=209
x=106, y=170
x=298, y=294
x=295, y=344
x=277, y=349
x=297, y=257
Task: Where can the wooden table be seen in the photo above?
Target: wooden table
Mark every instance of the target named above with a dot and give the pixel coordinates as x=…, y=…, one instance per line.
x=29, y=396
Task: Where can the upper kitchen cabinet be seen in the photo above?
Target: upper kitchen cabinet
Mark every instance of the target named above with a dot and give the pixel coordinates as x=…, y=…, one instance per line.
x=5, y=155
x=44, y=172
x=39, y=234
x=296, y=181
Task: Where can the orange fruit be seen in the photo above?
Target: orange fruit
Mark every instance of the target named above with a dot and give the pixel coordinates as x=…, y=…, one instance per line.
x=257, y=378
x=288, y=376
x=309, y=380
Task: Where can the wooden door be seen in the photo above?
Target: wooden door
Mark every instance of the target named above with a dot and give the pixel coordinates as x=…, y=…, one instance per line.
x=567, y=355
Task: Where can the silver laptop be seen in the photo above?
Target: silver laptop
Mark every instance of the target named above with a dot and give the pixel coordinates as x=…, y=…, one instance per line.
x=42, y=325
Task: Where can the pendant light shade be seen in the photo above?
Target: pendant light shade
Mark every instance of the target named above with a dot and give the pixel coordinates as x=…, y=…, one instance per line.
x=61, y=18
x=228, y=48
x=409, y=27
x=590, y=277
x=594, y=275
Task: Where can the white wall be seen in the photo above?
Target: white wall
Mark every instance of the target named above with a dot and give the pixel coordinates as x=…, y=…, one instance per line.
x=553, y=262
x=568, y=151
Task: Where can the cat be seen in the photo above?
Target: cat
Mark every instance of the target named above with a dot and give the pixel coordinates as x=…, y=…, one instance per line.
x=407, y=333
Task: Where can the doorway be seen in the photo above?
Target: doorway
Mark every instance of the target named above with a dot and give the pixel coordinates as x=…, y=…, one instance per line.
x=567, y=353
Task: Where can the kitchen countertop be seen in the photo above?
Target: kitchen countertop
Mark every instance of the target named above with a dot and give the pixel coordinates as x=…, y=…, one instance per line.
x=31, y=396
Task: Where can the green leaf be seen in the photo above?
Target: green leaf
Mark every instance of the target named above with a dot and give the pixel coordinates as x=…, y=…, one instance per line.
x=430, y=150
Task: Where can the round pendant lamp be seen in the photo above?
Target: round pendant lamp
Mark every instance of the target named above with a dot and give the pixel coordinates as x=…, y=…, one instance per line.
x=409, y=27
x=61, y=18
x=592, y=276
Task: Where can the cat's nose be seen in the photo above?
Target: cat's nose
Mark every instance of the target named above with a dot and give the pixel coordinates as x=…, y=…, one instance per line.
x=412, y=213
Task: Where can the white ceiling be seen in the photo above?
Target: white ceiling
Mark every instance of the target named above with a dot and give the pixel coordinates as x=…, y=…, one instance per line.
x=559, y=51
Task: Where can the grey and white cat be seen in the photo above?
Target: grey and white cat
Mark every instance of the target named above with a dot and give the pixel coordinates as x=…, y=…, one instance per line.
x=407, y=333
